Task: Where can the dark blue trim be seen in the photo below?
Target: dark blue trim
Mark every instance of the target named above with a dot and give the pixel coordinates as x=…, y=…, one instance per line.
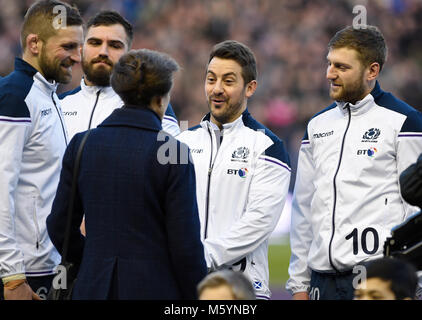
x=70, y=92
x=305, y=136
x=25, y=67
x=195, y=128
x=386, y=100
x=170, y=112
x=14, y=89
x=331, y=106
x=277, y=149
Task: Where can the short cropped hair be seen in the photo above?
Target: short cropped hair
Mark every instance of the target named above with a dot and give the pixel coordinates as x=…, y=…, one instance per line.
x=110, y=17
x=401, y=275
x=140, y=75
x=368, y=42
x=234, y=50
x=240, y=286
x=40, y=17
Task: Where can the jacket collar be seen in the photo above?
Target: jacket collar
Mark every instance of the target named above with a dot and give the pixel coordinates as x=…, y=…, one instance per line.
x=364, y=105
x=227, y=127
x=106, y=92
x=23, y=66
x=143, y=118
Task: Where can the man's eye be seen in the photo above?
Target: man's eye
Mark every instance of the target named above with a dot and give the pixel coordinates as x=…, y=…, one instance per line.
x=116, y=45
x=69, y=46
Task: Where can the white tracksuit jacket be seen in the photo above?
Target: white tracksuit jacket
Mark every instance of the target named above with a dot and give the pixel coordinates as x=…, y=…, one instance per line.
x=86, y=107
x=241, y=190
x=347, y=197
x=32, y=143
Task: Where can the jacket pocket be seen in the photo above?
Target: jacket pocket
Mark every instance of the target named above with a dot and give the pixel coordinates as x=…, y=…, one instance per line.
x=395, y=212
x=35, y=219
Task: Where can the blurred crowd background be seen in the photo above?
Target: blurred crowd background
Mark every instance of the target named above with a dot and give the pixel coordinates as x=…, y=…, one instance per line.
x=288, y=37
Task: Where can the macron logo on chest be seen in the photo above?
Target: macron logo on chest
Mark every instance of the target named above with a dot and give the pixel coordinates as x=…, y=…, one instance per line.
x=70, y=113
x=46, y=112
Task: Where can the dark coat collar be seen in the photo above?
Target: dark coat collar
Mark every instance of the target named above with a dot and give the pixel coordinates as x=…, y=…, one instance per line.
x=142, y=118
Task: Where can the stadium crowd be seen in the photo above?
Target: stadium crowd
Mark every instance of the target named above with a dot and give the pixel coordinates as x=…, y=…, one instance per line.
x=288, y=38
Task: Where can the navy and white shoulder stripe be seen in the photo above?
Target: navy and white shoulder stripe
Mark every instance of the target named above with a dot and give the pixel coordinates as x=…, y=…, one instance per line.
x=70, y=92
x=170, y=115
x=14, y=89
x=305, y=139
x=412, y=127
x=276, y=153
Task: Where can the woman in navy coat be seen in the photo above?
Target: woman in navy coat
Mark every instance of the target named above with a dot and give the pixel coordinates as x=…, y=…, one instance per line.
x=142, y=227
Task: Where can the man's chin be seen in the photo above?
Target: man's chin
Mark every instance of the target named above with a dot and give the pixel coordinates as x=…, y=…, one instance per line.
x=335, y=96
x=65, y=79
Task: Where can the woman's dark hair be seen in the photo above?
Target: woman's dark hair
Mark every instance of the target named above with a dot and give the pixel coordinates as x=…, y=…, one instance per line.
x=140, y=75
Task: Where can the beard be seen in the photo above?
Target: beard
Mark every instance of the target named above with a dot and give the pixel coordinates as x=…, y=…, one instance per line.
x=229, y=113
x=352, y=92
x=97, y=74
x=52, y=70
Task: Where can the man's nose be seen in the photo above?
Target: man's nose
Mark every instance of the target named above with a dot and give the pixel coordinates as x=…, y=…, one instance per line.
x=218, y=88
x=331, y=74
x=76, y=55
x=104, y=50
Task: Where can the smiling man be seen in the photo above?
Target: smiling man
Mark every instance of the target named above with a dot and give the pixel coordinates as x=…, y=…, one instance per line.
x=243, y=173
x=347, y=196
x=108, y=37
x=32, y=143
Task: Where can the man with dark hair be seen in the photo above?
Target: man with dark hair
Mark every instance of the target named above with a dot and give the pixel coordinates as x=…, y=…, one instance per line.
x=242, y=169
x=32, y=142
x=388, y=279
x=226, y=285
x=108, y=37
x=347, y=196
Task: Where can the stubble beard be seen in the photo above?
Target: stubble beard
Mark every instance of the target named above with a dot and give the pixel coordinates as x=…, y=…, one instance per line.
x=52, y=70
x=351, y=93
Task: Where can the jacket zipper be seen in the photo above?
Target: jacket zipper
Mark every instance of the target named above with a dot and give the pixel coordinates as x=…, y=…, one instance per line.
x=335, y=190
x=37, y=228
x=93, y=109
x=60, y=117
x=207, y=200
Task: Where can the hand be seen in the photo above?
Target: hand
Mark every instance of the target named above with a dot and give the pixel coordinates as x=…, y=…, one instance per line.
x=301, y=296
x=21, y=292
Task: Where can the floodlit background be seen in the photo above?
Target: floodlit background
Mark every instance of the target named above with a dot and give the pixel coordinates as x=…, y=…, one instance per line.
x=289, y=39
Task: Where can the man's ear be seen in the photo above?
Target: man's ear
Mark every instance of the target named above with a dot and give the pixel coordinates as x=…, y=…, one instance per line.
x=250, y=88
x=373, y=71
x=33, y=44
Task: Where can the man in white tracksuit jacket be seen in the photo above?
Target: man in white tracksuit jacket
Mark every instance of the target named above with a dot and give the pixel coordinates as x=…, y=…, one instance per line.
x=347, y=198
x=108, y=37
x=242, y=170
x=33, y=139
